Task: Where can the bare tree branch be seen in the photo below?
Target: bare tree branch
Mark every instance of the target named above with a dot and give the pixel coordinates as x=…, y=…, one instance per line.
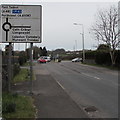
x=106, y=28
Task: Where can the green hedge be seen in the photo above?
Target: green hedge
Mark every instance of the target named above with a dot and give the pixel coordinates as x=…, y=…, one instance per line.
x=16, y=69
x=118, y=58
x=69, y=57
x=90, y=54
x=102, y=57
x=22, y=57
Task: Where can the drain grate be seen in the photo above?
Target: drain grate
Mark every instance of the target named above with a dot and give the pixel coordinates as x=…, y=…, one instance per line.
x=90, y=109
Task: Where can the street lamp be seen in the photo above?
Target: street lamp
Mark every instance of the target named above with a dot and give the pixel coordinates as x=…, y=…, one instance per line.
x=82, y=39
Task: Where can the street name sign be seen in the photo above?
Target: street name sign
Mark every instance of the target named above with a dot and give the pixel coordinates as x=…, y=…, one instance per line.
x=21, y=23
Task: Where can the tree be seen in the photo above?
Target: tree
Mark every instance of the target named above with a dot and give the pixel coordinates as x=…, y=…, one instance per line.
x=22, y=57
x=103, y=47
x=35, y=52
x=105, y=30
x=44, y=51
x=28, y=53
x=59, y=51
x=41, y=51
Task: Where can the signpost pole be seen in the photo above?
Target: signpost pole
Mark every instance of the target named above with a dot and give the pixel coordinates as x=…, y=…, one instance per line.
x=9, y=67
x=31, y=68
x=27, y=30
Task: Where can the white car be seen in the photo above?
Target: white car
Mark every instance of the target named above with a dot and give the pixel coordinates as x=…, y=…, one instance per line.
x=47, y=58
x=77, y=60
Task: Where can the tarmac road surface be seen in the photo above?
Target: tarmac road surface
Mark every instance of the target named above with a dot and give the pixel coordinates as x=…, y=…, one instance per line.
x=94, y=89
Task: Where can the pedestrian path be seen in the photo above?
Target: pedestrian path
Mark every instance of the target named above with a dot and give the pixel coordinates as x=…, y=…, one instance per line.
x=51, y=100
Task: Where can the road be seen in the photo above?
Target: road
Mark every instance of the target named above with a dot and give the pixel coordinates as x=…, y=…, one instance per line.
x=88, y=86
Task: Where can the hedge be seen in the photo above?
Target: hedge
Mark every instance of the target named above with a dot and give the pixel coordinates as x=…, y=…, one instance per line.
x=102, y=57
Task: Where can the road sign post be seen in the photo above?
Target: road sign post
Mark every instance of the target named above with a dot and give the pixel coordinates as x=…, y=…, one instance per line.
x=9, y=67
x=21, y=24
x=31, y=69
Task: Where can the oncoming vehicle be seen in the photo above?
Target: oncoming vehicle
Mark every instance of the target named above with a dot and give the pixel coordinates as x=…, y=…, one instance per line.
x=77, y=60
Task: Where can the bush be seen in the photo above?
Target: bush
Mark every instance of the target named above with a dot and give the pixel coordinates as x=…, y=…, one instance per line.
x=8, y=104
x=8, y=107
x=69, y=57
x=118, y=58
x=16, y=69
x=4, y=79
x=102, y=57
x=90, y=54
x=22, y=57
x=15, y=106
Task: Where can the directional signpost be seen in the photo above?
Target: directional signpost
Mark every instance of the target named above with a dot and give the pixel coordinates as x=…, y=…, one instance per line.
x=21, y=24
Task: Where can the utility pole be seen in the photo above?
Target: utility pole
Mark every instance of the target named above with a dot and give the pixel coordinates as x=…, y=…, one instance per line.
x=83, y=43
x=83, y=56
x=76, y=44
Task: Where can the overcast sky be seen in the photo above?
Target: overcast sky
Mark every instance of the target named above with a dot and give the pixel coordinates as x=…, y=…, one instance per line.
x=58, y=18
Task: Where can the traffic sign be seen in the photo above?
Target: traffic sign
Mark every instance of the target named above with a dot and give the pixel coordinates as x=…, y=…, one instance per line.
x=21, y=23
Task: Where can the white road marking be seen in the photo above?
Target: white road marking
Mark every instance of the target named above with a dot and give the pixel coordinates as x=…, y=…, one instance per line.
x=61, y=85
x=91, y=76
x=97, y=78
x=87, y=75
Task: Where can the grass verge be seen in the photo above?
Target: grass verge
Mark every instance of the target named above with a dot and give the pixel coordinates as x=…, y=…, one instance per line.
x=0, y=105
x=23, y=76
x=15, y=106
x=28, y=64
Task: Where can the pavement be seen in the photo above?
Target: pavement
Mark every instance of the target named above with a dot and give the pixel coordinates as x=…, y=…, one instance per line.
x=50, y=99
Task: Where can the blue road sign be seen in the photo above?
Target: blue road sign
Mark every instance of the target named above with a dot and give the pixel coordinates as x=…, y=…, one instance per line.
x=17, y=11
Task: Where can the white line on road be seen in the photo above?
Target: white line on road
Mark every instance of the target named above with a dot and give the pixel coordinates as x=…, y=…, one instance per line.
x=61, y=85
x=91, y=76
x=86, y=74
x=97, y=78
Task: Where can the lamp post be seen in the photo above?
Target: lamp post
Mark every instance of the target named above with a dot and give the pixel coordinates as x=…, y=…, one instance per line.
x=83, y=57
x=76, y=44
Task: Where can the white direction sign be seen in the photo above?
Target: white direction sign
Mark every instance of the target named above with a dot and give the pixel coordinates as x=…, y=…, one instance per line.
x=21, y=23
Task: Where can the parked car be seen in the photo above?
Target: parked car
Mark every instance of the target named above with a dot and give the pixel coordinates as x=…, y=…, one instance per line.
x=77, y=60
x=47, y=58
x=41, y=60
